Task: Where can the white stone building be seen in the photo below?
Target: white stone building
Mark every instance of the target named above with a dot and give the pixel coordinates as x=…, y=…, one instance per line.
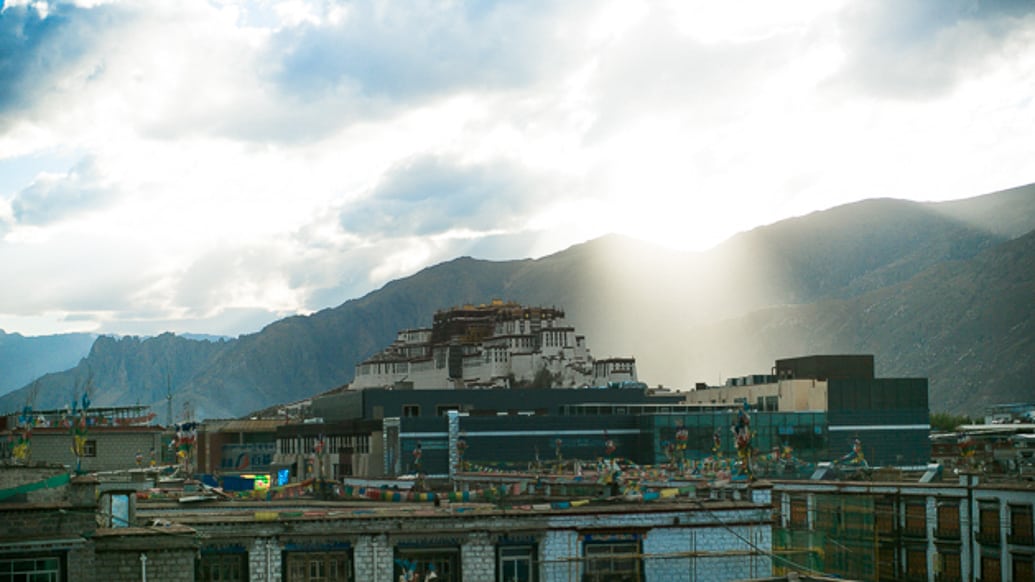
x=499, y=345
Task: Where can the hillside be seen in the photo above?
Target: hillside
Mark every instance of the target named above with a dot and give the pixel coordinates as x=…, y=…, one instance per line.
x=121, y=372
x=967, y=325
x=23, y=359
x=936, y=290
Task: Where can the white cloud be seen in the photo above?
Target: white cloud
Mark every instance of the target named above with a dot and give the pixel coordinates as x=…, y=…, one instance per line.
x=205, y=164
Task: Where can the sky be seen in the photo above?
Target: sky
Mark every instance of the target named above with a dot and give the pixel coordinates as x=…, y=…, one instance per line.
x=210, y=167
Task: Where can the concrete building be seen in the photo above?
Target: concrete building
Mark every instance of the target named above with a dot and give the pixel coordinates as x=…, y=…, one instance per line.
x=52, y=533
x=106, y=448
x=958, y=531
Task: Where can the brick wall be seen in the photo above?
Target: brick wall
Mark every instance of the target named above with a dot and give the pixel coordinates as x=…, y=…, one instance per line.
x=13, y=476
x=667, y=545
x=175, y=565
x=478, y=558
x=372, y=557
x=115, y=449
x=28, y=522
x=264, y=560
x=556, y=547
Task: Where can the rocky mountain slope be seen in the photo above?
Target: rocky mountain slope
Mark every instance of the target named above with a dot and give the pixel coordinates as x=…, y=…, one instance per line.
x=938, y=290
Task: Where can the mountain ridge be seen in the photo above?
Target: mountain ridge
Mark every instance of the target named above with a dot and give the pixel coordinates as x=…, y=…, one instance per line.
x=790, y=288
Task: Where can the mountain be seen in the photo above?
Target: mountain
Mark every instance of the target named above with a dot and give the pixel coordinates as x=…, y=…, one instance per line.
x=121, y=372
x=968, y=325
x=941, y=290
x=23, y=359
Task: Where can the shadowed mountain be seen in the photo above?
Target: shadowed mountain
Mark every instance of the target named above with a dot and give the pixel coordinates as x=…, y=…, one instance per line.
x=968, y=325
x=930, y=289
x=23, y=359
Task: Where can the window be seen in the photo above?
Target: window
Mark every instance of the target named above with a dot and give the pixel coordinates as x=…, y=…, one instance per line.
x=948, y=521
x=1020, y=525
x=916, y=562
x=411, y=410
x=799, y=513
x=612, y=557
x=90, y=448
x=949, y=566
x=318, y=567
x=989, y=523
x=884, y=517
x=516, y=564
x=445, y=561
x=990, y=569
x=41, y=569
x=442, y=409
x=222, y=567
x=916, y=518
x=1022, y=567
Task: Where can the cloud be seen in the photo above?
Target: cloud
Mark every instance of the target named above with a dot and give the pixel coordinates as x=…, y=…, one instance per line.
x=39, y=47
x=53, y=197
x=412, y=51
x=920, y=49
x=431, y=195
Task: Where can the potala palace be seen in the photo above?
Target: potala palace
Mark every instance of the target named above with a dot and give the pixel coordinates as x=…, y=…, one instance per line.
x=499, y=345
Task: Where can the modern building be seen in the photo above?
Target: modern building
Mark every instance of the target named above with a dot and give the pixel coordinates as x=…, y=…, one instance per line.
x=890, y=416
x=498, y=345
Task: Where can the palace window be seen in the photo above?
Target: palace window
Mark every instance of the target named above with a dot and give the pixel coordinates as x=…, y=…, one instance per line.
x=90, y=448
x=410, y=410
